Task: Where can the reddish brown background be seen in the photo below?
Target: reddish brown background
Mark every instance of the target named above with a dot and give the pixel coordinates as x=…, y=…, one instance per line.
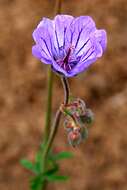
x=100, y=163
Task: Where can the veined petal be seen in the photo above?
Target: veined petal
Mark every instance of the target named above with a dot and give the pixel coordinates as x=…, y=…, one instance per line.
x=94, y=51
x=46, y=23
x=50, y=26
x=91, y=46
x=43, y=39
x=61, y=24
x=101, y=38
x=98, y=50
x=59, y=69
x=36, y=51
x=85, y=48
x=79, y=31
x=83, y=66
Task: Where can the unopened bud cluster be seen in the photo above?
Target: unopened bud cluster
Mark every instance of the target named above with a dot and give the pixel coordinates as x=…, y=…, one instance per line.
x=77, y=116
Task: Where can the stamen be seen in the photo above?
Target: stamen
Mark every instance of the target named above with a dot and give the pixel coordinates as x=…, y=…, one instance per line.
x=67, y=56
x=67, y=64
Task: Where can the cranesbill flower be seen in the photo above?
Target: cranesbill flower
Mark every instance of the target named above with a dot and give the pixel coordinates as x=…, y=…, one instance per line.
x=69, y=44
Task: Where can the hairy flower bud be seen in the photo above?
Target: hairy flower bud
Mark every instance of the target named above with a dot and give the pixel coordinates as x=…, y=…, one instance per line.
x=88, y=117
x=74, y=137
x=84, y=133
x=76, y=117
x=76, y=107
x=69, y=124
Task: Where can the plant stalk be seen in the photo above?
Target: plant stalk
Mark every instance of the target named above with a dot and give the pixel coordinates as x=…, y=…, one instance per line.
x=56, y=123
x=49, y=108
x=49, y=105
x=50, y=87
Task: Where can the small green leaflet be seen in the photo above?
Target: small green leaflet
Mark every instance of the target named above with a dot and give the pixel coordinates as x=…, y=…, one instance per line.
x=61, y=155
x=57, y=178
x=36, y=183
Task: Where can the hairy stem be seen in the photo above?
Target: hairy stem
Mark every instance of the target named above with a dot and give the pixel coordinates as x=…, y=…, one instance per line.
x=49, y=105
x=56, y=123
x=66, y=89
x=50, y=87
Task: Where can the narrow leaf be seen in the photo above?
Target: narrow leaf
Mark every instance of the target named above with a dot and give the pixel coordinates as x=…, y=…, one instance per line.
x=37, y=182
x=52, y=171
x=27, y=164
x=38, y=157
x=57, y=178
x=62, y=155
x=30, y=166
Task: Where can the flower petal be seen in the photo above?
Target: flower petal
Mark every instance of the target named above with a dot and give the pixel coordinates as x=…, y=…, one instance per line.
x=83, y=66
x=50, y=27
x=42, y=38
x=61, y=24
x=59, y=69
x=94, y=51
x=36, y=51
x=101, y=37
x=79, y=31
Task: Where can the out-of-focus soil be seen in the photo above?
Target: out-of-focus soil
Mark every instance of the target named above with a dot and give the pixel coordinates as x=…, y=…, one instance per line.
x=100, y=163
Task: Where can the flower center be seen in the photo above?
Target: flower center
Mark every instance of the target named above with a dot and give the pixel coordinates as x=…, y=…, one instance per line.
x=69, y=61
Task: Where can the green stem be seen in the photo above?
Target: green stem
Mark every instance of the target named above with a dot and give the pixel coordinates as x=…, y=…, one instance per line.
x=54, y=129
x=50, y=87
x=49, y=105
x=55, y=124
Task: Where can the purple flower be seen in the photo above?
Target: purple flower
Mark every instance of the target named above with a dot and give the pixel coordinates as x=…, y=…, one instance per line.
x=68, y=44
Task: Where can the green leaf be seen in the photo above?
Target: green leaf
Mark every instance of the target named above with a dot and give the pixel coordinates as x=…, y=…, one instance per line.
x=71, y=98
x=27, y=164
x=37, y=182
x=38, y=160
x=38, y=157
x=42, y=146
x=30, y=166
x=67, y=112
x=62, y=155
x=52, y=171
x=57, y=178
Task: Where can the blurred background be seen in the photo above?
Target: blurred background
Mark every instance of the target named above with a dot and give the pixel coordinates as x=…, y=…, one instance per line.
x=100, y=163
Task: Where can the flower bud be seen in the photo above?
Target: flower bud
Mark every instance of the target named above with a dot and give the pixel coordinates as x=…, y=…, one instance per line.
x=76, y=116
x=88, y=117
x=84, y=133
x=74, y=137
x=76, y=107
x=81, y=107
x=69, y=124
